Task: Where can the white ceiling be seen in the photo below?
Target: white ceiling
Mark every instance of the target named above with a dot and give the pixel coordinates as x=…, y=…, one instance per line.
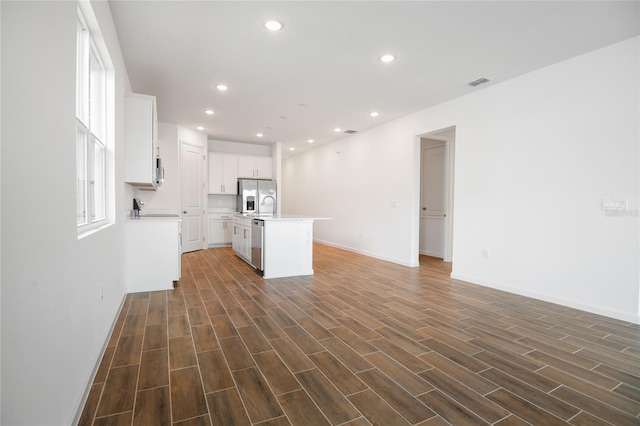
x=322, y=70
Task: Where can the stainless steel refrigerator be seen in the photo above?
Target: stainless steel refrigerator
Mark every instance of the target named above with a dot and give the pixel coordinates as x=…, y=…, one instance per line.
x=256, y=196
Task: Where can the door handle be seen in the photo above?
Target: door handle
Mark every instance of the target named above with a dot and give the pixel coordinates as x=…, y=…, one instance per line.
x=184, y=211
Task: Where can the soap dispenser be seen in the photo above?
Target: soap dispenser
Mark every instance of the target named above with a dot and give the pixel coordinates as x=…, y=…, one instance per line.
x=136, y=208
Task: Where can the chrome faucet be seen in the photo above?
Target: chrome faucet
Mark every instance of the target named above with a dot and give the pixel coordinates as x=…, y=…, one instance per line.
x=272, y=199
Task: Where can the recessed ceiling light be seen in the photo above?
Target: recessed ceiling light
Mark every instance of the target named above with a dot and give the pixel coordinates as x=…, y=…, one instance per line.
x=200, y=128
x=259, y=135
x=310, y=141
x=222, y=87
x=387, y=58
x=374, y=113
x=337, y=129
x=209, y=112
x=273, y=25
x=292, y=149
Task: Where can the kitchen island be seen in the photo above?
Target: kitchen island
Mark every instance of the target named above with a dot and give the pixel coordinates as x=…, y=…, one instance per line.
x=278, y=246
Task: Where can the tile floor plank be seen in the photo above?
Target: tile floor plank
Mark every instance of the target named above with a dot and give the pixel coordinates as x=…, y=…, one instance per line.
x=409, y=381
x=152, y=407
x=119, y=391
x=326, y=396
x=276, y=372
x=346, y=381
x=226, y=408
x=300, y=409
x=450, y=410
x=204, y=338
x=214, y=371
x=181, y=352
x=394, y=395
x=154, y=369
x=260, y=402
x=485, y=409
x=187, y=396
x=376, y=410
x=236, y=353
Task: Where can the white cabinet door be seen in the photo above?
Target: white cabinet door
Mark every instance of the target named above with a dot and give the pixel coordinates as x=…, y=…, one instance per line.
x=216, y=231
x=264, y=167
x=255, y=167
x=241, y=237
x=140, y=140
x=152, y=255
x=246, y=167
x=215, y=173
x=236, y=236
x=223, y=174
x=228, y=230
x=230, y=174
x=220, y=230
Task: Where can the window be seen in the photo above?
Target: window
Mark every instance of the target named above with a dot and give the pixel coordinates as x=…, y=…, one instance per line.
x=92, y=130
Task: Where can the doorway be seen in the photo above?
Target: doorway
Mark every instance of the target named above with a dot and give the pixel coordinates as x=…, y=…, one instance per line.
x=436, y=194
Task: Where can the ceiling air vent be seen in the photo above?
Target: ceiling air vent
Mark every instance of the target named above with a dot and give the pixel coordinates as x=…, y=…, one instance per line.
x=478, y=82
x=351, y=131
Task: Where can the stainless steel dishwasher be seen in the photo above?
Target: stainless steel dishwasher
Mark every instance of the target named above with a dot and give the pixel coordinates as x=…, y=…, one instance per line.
x=257, y=244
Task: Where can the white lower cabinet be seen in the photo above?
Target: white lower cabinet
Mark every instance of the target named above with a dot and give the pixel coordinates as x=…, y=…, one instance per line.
x=220, y=230
x=152, y=254
x=241, y=237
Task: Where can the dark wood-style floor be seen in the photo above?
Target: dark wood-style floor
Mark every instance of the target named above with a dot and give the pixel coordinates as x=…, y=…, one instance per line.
x=361, y=342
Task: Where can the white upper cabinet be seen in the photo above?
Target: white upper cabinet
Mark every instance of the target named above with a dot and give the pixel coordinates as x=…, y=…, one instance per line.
x=255, y=167
x=223, y=174
x=140, y=140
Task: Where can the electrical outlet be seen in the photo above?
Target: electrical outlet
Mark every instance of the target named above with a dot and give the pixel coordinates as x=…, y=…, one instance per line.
x=486, y=254
x=101, y=293
x=616, y=205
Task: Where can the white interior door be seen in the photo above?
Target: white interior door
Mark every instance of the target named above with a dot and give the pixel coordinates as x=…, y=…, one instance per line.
x=193, y=187
x=433, y=200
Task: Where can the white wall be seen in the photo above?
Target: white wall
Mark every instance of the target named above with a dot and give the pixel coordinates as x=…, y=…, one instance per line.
x=534, y=158
x=54, y=324
x=167, y=198
x=239, y=148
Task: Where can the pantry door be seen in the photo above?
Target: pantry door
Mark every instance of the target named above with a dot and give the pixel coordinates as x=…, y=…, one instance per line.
x=193, y=187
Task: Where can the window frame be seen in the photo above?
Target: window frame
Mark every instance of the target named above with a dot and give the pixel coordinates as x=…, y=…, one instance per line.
x=95, y=199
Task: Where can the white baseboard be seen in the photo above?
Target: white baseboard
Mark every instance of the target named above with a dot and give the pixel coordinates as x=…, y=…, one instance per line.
x=622, y=316
x=428, y=253
x=365, y=253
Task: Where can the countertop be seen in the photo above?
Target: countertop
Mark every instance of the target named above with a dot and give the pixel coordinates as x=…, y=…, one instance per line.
x=281, y=217
x=155, y=218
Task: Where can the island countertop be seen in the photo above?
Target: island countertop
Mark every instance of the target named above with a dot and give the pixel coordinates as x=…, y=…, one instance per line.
x=280, y=216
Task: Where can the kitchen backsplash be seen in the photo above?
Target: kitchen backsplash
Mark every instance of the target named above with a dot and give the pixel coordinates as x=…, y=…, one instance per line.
x=221, y=203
